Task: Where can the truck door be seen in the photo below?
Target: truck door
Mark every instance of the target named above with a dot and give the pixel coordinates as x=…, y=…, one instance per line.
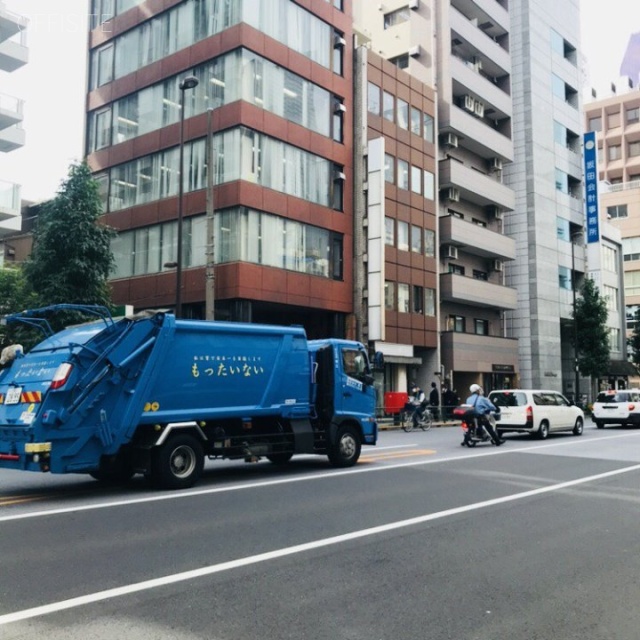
x=354, y=395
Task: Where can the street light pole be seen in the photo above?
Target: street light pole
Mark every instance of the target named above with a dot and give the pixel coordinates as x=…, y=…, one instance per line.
x=190, y=82
x=210, y=276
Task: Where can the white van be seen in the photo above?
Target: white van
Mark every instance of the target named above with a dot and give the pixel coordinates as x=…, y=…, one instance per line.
x=620, y=406
x=536, y=411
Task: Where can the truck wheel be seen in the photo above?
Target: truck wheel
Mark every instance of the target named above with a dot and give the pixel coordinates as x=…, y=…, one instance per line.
x=178, y=463
x=345, y=451
x=280, y=458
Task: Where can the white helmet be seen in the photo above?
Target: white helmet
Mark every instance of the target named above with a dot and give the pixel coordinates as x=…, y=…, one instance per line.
x=475, y=388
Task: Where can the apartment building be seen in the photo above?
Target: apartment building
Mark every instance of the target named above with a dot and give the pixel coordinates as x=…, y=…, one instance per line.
x=469, y=63
x=547, y=178
x=616, y=123
x=13, y=55
x=248, y=102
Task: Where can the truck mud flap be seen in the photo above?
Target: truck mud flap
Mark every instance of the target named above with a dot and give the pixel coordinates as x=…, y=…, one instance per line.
x=303, y=436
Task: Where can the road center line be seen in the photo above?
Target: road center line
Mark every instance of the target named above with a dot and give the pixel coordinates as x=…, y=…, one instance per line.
x=145, y=585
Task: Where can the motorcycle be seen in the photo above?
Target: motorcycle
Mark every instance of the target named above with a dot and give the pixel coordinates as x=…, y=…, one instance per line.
x=474, y=430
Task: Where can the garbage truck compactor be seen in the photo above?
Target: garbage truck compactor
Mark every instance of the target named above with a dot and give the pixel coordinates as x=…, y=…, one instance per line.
x=154, y=395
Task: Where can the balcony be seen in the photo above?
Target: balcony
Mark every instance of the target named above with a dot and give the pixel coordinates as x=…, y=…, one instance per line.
x=475, y=239
x=12, y=138
x=475, y=186
x=471, y=352
x=479, y=136
x=9, y=201
x=477, y=293
x=497, y=103
x=13, y=55
x=11, y=111
x=10, y=23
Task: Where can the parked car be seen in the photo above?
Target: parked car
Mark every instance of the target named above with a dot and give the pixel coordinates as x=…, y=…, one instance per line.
x=536, y=411
x=618, y=406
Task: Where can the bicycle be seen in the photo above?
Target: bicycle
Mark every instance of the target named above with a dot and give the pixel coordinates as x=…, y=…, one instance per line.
x=425, y=420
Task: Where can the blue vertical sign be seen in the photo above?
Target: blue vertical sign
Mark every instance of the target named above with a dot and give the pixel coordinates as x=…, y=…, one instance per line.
x=590, y=154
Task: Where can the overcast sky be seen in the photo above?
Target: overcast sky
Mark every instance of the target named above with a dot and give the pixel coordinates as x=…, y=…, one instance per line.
x=53, y=82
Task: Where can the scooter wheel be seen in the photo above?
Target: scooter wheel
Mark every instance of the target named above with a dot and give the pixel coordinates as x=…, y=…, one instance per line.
x=471, y=443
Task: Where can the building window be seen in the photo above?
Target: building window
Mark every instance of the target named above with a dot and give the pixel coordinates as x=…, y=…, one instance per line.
x=396, y=17
x=617, y=211
x=403, y=297
x=416, y=239
x=416, y=179
x=373, y=99
x=427, y=122
x=403, y=235
x=418, y=299
x=633, y=115
x=389, y=168
x=609, y=259
x=613, y=120
x=480, y=275
x=338, y=53
x=456, y=269
x=614, y=339
x=403, y=174
x=101, y=12
x=429, y=185
x=389, y=232
x=429, y=243
x=631, y=249
x=563, y=229
x=614, y=152
x=481, y=327
x=595, y=123
x=430, y=302
x=564, y=278
x=634, y=149
x=562, y=181
x=610, y=294
x=456, y=323
x=102, y=66
x=389, y=295
x=401, y=61
x=416, y=121
x=402, y=114
x=388, y=106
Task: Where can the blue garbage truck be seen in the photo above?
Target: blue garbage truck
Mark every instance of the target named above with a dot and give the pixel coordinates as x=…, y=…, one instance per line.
x=156, y=395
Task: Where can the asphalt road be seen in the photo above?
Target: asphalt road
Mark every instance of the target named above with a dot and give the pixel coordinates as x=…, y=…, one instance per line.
x=422, y=539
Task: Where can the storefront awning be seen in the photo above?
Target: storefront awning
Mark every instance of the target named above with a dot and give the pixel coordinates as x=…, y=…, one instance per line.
x=401, y=360
x=621, y=368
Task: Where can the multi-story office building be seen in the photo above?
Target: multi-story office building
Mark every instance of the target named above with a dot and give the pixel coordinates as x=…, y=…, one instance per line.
x=396, y=221
x=616, y=121
x=469, y=63
x=13, y=55
x=546, y=175
x=273, y=94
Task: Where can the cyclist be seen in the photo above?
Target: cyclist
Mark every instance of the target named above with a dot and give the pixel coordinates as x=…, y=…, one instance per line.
x=416, y=404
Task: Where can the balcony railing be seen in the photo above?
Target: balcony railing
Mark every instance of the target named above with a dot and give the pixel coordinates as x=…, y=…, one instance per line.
x=9, y=200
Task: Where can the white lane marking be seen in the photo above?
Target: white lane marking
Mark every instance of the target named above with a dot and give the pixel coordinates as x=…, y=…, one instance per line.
x=154, y=583
x=327, y=475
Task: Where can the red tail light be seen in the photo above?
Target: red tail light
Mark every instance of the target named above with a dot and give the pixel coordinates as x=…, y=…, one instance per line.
x=529, y=415
x=62, y=375
x=631, y=406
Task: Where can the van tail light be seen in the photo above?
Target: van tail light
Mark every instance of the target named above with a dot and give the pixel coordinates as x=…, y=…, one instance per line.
x=631, y=406
x=529, y=415
x=62, y=375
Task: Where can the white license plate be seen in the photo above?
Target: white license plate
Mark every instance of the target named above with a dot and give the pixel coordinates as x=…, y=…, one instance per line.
x=13, y=395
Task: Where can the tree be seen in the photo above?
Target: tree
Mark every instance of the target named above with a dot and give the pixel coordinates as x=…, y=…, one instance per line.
x=15, y=296
x=71, y=258
x=634, y=341
x=590, y=315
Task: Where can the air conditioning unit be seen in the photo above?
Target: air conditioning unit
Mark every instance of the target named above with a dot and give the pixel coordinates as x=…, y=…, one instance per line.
x=478, y=108
x=468, y=102
x=497, y=265
x=451, y=194
x=339, y=175
x=414, y=4
x=495, y=164
x=494, y=212
x=477, y=63
x=339, y=41
x=451, y=252
x=450, y=140
x=414, y=52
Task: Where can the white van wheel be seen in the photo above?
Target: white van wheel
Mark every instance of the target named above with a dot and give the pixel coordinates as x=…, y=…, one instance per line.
x=543, y=430
x=579, y=428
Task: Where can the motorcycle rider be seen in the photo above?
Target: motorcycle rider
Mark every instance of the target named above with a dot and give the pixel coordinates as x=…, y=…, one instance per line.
x=482, y=408
x=416, y=404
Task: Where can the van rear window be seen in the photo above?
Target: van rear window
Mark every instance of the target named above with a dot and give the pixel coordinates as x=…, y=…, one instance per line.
x=508, y=398
x=619, y=396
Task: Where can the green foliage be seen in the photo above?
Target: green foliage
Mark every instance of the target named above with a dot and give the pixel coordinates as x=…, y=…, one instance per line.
x=590, y=316
x=15, y=296
x=634, y=341
x=71, y=258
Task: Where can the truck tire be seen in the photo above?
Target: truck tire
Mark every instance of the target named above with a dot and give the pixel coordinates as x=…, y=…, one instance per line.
x=178, y=463
x=345, y=451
